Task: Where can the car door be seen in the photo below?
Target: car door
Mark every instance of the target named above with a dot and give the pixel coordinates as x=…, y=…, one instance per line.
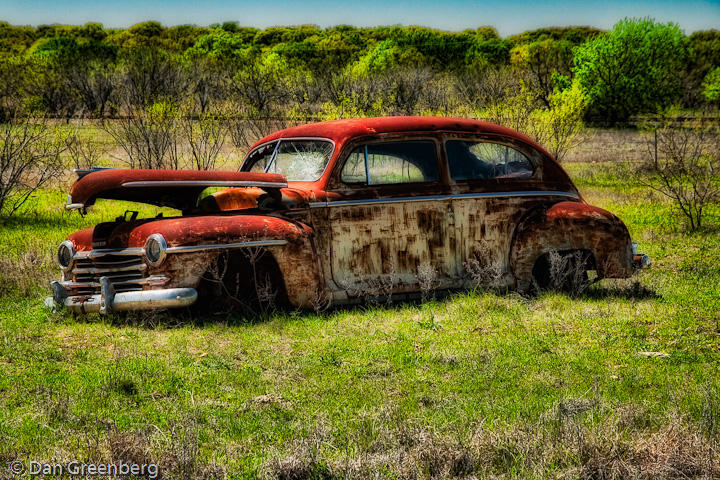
x=393, y=227
x=494, y=185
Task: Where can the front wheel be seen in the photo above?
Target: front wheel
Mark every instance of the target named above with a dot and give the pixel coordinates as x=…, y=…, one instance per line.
x=247, y=282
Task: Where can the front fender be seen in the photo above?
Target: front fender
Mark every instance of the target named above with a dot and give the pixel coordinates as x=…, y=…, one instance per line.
x=295, y=255
x=572, y=226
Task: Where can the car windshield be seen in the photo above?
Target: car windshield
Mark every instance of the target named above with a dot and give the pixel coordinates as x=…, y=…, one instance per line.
x=297, y=160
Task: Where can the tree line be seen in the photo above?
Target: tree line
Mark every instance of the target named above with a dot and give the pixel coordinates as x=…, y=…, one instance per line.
x=640, y=66
x=172, y=97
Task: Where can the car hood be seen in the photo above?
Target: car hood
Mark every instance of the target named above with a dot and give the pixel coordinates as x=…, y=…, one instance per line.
x=180, y=189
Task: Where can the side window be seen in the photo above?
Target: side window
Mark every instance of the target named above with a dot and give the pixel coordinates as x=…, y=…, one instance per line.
x=473, y=160
x=390, y=163
x=354, y=169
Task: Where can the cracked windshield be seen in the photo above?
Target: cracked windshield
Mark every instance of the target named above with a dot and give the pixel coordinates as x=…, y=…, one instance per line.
x=297, y=160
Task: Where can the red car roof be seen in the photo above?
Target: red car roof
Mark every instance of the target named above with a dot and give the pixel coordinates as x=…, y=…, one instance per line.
x=341, y=130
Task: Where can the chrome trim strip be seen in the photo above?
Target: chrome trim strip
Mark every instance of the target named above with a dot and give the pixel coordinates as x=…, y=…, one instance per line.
x=225, y=246
x=373, y=201
x=69, y=205
x=201, y=183
x=129, y=268
x=182, y=249
x=272, y=157
x=151, y=280
x=529, y=193
x=459, y=196
x=108, y=251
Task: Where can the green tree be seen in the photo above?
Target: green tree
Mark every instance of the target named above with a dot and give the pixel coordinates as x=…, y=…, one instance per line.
x=47, y=85
x=541, y=62
x=633, y=69
x=15, y=39
x=218, y=45
x=386, y=55
x=704, y=57
x=73, y=73
x=259, y=85
x=148, y=75
x=492, y=52
x=575, y=35
x=14, y=70
x=141, y=35
x=559, y=127
x=711, y=86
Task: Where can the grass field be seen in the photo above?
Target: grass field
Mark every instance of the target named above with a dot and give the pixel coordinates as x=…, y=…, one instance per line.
x=620, y=382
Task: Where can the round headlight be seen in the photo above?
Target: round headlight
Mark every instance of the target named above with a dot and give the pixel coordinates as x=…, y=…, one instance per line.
x=155, y=249
x=65, y=253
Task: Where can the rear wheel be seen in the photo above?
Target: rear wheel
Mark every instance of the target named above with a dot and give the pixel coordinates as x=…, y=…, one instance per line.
x=564, y=271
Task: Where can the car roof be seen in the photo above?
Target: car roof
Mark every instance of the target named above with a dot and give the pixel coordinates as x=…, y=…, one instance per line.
x=341, y=130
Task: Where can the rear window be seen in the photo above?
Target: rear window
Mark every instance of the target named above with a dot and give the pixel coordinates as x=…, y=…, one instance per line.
x=476, y=160
x=391, y=163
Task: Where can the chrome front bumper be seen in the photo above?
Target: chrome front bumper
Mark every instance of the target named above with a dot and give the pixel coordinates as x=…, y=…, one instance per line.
x=109, y=301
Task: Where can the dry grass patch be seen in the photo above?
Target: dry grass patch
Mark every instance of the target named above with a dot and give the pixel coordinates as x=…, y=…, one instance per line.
x=575, y=439
x=25, y=273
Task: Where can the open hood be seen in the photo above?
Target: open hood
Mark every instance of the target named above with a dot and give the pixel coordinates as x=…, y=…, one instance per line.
x=178, y=189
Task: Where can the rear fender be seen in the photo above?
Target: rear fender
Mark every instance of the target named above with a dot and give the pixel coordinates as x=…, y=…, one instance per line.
x=571, y=226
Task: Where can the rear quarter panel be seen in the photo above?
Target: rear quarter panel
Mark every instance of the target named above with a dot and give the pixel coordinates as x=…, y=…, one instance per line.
x=572, y=226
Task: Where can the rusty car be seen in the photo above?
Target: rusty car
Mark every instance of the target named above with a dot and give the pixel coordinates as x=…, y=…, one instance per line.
x=331, y=212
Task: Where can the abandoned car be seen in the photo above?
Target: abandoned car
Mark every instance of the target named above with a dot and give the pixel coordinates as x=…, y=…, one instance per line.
x=332, y=212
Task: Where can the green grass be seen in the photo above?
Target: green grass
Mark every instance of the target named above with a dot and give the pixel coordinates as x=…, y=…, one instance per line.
x=493, y=385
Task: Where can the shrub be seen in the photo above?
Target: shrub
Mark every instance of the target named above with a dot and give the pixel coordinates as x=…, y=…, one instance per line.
x=206, y=136
x=559, y=126
x=29, y=158
x=684, y=165
x=149, y=136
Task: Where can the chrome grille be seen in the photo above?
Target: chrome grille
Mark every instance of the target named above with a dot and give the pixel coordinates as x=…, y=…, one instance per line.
x=124, y=271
